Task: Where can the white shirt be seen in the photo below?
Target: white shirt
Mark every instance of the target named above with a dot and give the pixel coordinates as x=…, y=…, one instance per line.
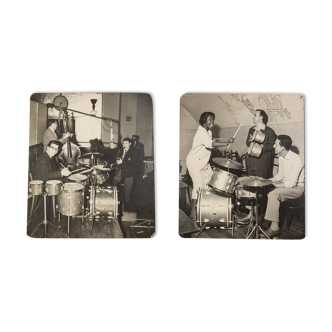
x=200, y=153
x=291, y=170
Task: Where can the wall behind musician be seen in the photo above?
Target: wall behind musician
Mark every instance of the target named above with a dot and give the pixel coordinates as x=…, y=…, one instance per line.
x=261, y=166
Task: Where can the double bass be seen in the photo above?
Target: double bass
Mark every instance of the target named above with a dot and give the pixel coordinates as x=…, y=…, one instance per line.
x=70, y=151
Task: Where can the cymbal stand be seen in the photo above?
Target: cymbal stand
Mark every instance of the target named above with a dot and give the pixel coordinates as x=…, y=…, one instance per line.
x=45, y=221
x=257, y=226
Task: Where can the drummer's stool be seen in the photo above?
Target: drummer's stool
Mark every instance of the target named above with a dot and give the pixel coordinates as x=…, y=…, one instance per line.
x=293, y=207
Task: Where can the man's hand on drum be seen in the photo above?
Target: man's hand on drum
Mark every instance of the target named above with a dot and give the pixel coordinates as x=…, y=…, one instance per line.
x=65, y=172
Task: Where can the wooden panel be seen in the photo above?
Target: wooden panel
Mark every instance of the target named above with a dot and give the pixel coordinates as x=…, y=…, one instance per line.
x=33, y=123
x=42, y=122
x=128, y=109
x=110, y=109
x=144, y=122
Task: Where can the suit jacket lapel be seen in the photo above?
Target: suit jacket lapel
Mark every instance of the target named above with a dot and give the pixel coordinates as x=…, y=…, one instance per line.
x=51, y=162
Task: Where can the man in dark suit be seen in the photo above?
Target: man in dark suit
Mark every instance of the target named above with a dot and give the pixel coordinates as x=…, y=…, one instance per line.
x=46, y=168
x=261, y=166
x=127, y=164
x=140, y=155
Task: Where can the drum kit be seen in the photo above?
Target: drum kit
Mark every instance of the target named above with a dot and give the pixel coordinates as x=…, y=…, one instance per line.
x=83, y=189
x=218, y=206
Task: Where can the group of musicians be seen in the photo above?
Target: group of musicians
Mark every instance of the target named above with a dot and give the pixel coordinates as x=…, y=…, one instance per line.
x=287, y=184
x=127, y=166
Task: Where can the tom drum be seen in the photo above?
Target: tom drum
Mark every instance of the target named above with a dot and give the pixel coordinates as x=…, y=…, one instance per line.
x=71, y=200
x=223, y=181
x=53, y=187
x=36, y=187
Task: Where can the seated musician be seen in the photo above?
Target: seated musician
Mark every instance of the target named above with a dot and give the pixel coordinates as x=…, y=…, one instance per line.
x=46, y=168
x=288, y=183
x=50, y=135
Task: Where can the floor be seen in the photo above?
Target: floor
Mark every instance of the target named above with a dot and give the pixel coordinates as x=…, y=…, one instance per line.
x=141, y=207
x=296, y=230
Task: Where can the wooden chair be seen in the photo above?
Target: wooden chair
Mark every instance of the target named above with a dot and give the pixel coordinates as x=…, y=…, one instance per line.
x=293, y=207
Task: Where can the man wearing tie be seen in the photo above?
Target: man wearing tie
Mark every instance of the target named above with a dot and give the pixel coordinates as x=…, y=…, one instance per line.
x=127, y=163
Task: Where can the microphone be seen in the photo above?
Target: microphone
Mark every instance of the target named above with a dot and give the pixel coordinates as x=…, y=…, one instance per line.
x=50, y=105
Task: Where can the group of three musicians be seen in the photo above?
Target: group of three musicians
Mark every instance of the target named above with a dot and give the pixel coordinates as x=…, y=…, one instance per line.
x=288, y=182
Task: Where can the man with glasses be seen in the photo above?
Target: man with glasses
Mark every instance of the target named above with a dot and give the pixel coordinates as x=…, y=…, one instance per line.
x=46, y=168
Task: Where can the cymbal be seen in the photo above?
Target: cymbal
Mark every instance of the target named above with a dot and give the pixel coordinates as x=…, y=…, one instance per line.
x=95, y=154
x=228, y=163
x=255, y=182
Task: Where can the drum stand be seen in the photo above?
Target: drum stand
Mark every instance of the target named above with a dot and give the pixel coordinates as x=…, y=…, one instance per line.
x=45, y=221
x=93, y=214
x=257, y=226
x=32, y=206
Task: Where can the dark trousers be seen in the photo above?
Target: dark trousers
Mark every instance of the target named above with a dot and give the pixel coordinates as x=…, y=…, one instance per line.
x=128, y=184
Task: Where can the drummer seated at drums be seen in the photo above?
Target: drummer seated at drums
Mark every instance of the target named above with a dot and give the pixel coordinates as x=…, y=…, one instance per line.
x=46, y=168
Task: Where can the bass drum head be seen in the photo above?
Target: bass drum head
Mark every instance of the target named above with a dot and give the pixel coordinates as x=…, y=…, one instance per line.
x=216, y=210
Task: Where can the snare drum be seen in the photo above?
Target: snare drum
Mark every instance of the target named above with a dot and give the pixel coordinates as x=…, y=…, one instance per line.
x=255, y=150
x=71, y=200
x=36, y=187
x=106, y=202
x=99, y=177
x=79, y=178
x=215, y=210
x=223, y=181
x=53, y=187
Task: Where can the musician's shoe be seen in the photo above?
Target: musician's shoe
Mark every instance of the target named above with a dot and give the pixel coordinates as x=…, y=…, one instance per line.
x=272, y=234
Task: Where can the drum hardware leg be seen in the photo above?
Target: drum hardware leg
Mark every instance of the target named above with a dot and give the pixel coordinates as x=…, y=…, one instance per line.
x=32, y=204
x=45, y=221
x=201, y=230
x=68, y=223
x=257, y=226
x=53, y=202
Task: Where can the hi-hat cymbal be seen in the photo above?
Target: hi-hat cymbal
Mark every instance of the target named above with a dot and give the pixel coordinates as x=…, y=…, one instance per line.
x=256, y=182
x=227, y=163
x=95, y=154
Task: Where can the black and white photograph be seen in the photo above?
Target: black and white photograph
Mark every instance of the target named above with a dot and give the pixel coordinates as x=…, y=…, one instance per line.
x=242, y=166
x=91, y=166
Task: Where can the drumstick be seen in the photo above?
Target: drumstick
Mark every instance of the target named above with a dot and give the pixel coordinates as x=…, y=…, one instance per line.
x=235, y=134
x=78, y=170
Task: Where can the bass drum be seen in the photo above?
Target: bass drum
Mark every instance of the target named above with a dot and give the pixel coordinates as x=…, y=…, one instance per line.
x=106, y=202
x=214, y=209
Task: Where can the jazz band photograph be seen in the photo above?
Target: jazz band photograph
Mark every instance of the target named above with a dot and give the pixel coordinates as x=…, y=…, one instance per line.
x=242, y=166
x=91, y=166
